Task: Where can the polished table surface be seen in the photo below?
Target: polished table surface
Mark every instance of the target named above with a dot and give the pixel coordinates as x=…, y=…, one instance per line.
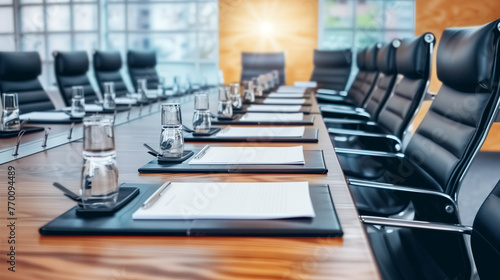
x=144, y=257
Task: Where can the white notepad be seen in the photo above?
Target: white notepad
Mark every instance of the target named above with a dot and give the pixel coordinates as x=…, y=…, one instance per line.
x=283, y=101
x=272, y=117
x=277, y=109
x=125, y=101
x=285, y=95
x=249, y=155
x=49, y=116
x=306, y=84
x=188, y=201
x=88, y=108
x=264, y=132
x=291, y=89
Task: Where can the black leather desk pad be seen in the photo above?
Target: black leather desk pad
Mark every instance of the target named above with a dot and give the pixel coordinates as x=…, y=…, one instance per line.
x=15, y=133
x=303, y=109
x=325, y=224
x=310, y=136
x=307, y=120
x=314, y=164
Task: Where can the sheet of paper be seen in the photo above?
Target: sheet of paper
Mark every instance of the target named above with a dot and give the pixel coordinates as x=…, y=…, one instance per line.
x=88, y=108
x=283, y=101
x=125, y=101
x=49, y=116
x=276, y=108
x=263, y=132
x=188, y=201
x=291, y=89
x=311, y=84
x=272, y=117
x=250, y=155
x=285, y=95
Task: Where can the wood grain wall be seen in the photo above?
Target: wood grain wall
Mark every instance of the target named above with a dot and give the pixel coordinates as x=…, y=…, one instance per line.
x=437, y=15
x=289, y=26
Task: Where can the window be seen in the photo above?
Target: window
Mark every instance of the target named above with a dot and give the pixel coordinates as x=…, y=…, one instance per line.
x=360, y=23
x=184, y=34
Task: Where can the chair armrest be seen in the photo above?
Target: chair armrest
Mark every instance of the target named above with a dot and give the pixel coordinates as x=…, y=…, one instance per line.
x=327, y=91
x=368, y=153
x=420, y=196
x=381, y=221
x=363, y=134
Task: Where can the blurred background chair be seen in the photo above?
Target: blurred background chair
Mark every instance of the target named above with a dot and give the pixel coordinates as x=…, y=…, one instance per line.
x=19, y=72
x=254, y=64
x=142, y=65
x=332, y=68
x=107, y=66
x=71, y=70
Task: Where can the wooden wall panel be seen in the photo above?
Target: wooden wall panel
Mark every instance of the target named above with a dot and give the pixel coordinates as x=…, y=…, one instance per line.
x=290, y=26
x=437, y=15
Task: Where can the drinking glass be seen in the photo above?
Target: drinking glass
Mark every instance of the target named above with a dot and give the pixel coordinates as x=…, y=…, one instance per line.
x=225, y=106
x=99, y=180
x=248, y=92
x=201, y=117
x=109, y=96
x=276, y=77
x=171, y=138
x=10, y=112
x=78, y=102
x=142, y=87
x=257, y=89
x=235, y=95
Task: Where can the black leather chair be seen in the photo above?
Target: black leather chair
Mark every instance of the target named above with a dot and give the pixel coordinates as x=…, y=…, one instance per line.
x=332, y=68
x=386, y=65
x=142, y=65
x=71, y=70
x=107, y=67
x=254, y=64
x=19, y=73
x=423, y=250
x=413, y=62
x=430, y=170
x=361, y=87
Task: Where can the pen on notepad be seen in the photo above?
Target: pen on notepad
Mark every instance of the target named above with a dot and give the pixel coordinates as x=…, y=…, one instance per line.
x=152, y=199
x=202, y=152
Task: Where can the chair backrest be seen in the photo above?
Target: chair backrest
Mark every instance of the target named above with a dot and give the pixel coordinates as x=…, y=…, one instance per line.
x=386, y=65
x=71, y=70
x=254, y=64
x=413, y=61
x=332, y=68
x=107, y=67
x=458, y=120
x=368, y=74
x=485, y=239
x=142, y=65
x=19, y=73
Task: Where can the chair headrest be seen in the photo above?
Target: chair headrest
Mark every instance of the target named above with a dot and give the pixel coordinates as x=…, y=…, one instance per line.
x=107, y=61
x=140, y=59
x=71, y=63
x=386, y=57
x=371, y=57
x=412, y=57
x=466, y=57
x=20, y=66
x=360, y=60
x=338, y=58
x=269, y=61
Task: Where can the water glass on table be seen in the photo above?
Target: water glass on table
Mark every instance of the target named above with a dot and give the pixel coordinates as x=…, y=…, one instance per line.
x=201, y=117
x=78, y=102
x=10, y=112
x=172, y=137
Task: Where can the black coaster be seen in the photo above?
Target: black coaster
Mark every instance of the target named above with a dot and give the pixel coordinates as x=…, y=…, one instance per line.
x=212, y=131
x=232, y=118
x=185, y=155
x=125, y=195
x=14, y=133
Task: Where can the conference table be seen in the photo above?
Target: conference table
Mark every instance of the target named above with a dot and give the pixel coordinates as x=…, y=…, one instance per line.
x=165, y=257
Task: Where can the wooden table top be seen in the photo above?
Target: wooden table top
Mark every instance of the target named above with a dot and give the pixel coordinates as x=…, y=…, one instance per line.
x=103, y=257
